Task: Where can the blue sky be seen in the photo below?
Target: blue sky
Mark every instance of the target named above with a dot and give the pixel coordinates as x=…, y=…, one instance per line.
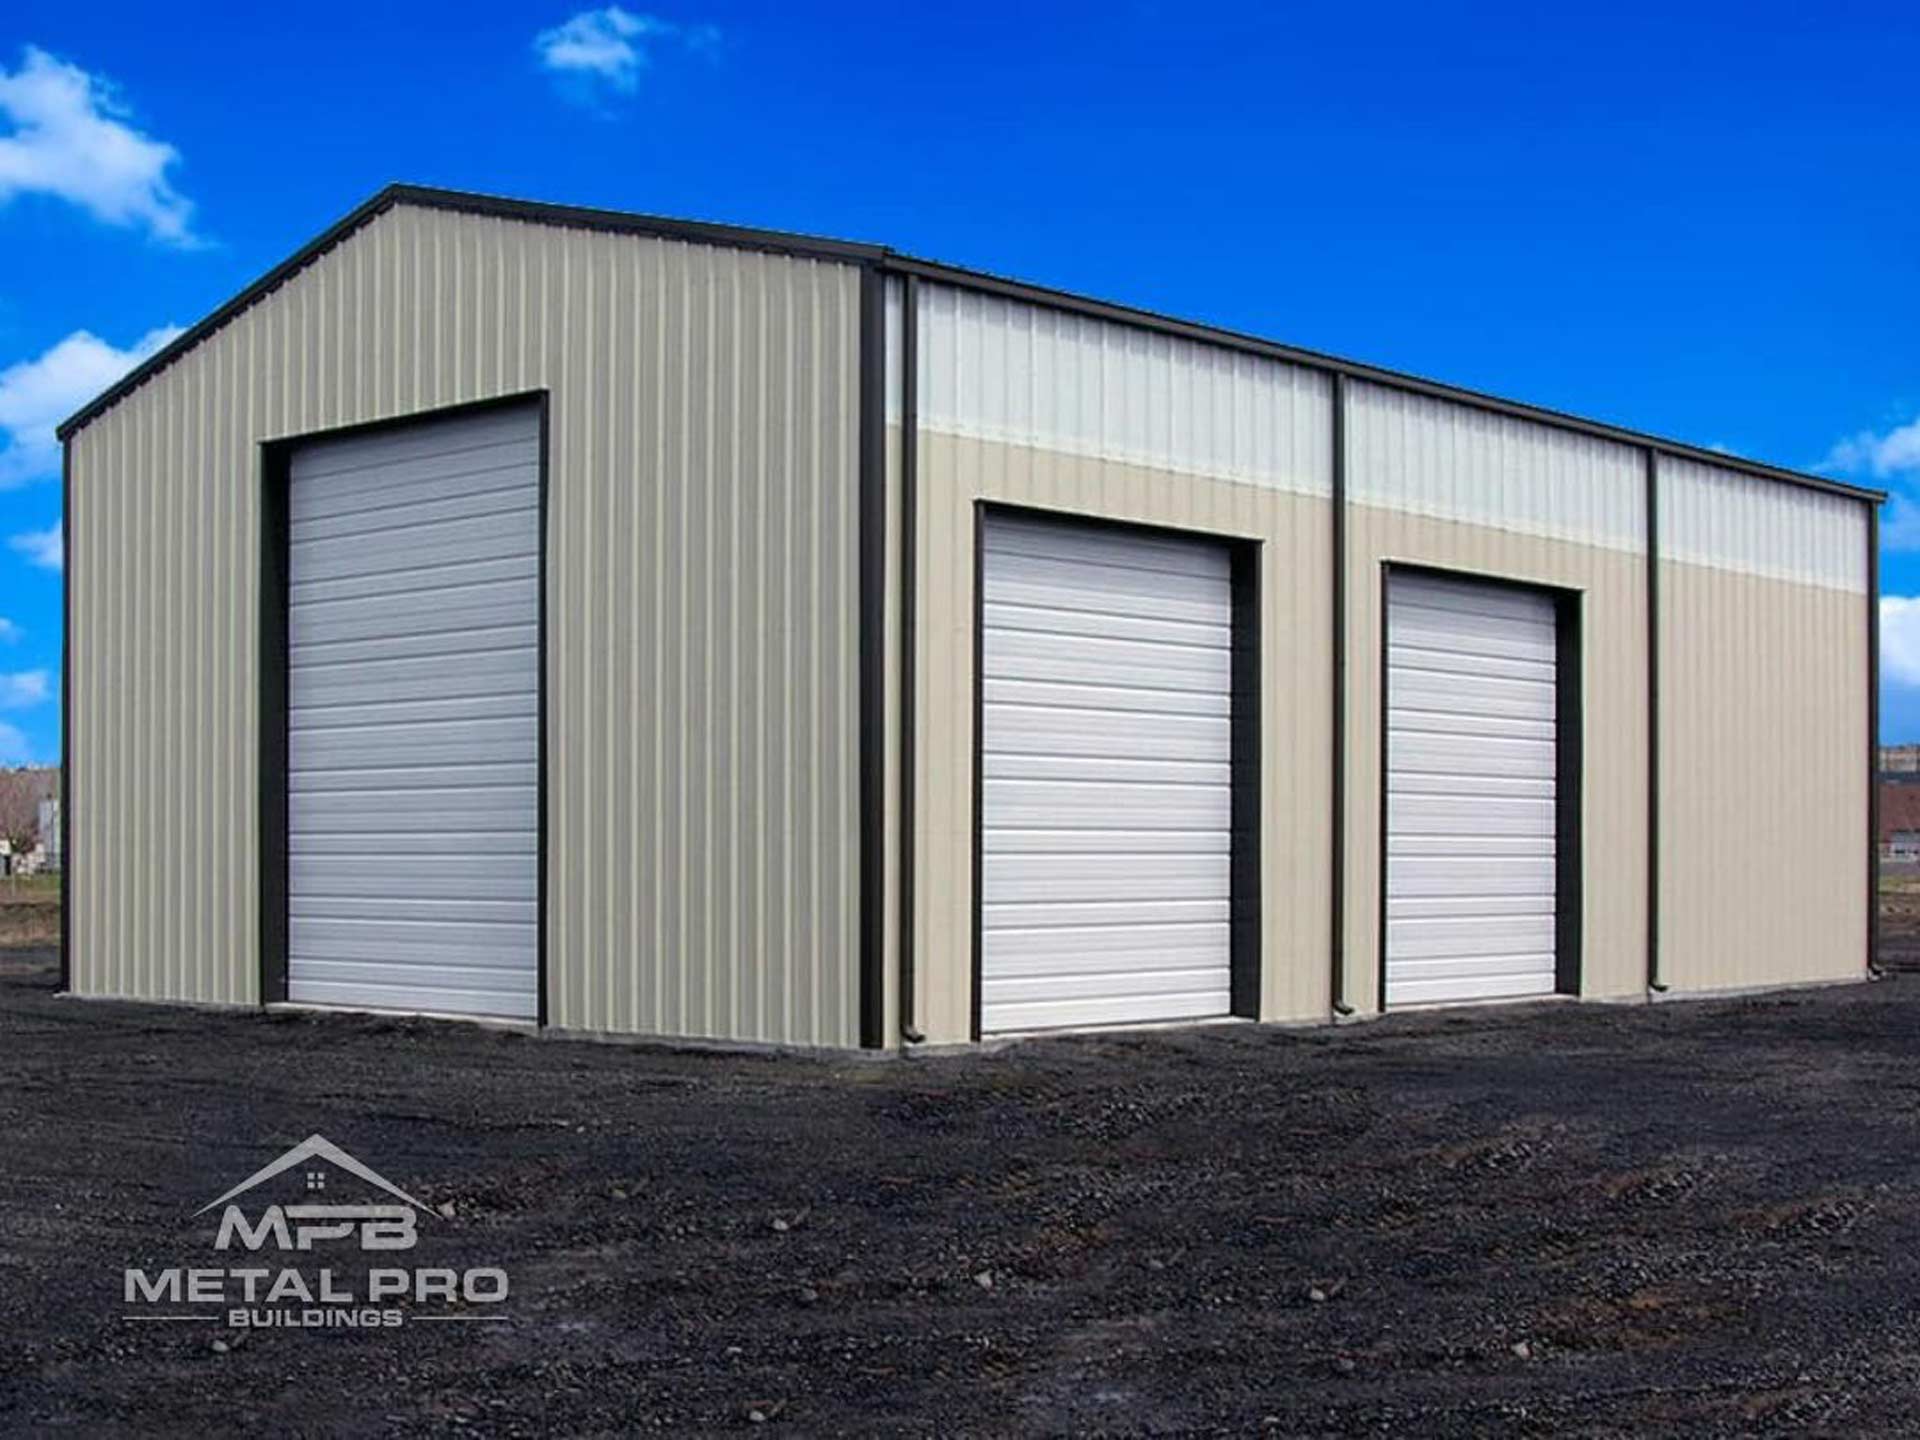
x=1705, y=226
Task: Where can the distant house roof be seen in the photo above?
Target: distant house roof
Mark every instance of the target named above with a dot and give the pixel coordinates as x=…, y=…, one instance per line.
x=1899, y=808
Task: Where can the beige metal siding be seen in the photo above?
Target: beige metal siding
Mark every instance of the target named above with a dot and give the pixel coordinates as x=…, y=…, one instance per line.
x=701, y=602
x=1458, y=489
x=1274, y=494
x=1763, y=687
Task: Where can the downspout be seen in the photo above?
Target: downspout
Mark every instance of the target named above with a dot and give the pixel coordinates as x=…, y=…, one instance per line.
x=909, y=585
x=1337, y=959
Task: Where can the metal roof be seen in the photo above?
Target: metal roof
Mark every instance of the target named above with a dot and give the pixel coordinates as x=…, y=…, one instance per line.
x=883, y=257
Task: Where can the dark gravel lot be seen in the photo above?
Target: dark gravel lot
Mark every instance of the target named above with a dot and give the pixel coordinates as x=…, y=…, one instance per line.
x=1701, y=1218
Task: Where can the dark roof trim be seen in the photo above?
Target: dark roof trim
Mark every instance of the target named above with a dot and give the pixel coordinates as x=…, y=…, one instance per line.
x=784, y=243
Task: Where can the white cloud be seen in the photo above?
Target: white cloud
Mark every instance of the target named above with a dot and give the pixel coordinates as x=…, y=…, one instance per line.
x=9, y=632
x=41, y=547
x=1895, y=453
x=24, y=688
x=608, y=48
x=14, y=749
x=37, y=394
x=70, y=139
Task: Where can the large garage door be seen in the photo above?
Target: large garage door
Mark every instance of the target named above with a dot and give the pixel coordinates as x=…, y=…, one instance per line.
x=1106, y=794
x=413, y=695
x=1472, y=682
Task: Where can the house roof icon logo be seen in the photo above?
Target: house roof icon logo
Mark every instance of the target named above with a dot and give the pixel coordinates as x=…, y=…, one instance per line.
x=316, y=1147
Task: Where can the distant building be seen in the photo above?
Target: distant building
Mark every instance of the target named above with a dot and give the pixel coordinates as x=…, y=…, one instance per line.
x=50, y=832
x=1899, y=819
x=1901, y=760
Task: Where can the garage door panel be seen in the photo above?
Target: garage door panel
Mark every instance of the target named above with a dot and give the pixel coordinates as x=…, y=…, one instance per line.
x=1080, y=659
x=490, y=673
x=1433, y=691
x=1472, y=759
x=1477, y=988
x=1029, y=730
x=1471, y=846
x=447, y=608
x=413, y=718
x=1105, y=626
x=1474, y=907
x=1418, y=660
x=1089, y=767
x=1106, y=876
x=1057, y=587
x=1106, y=776
x=453, y=943
x=1064, y=949
x=1454, y=814
x=400, y=581
x=1076, y=543
x=1133, y=806
x=1039, y=840
x=330, y=985
x=1465, y=937
x=423, y=477
x=477, y=876
x=1452, y=637
x=351, y=655
x=1014, y=1016
x=1471, y=598
x=412, y=743
x=451, y=440
x=1113, y=699
x=1471, y=755
x=500, y=536
x=459, y=809
x=397, y=911
x=436, y=840
x=1421, y=875
x=404, y=784
x=344, y=714
x=1101, y=914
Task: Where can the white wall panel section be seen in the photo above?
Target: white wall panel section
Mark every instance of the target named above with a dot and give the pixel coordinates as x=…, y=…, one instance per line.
x=1449, y=461
x=1020, y=374
x=413, y=718
x=1713, y=516
x=1106, y=781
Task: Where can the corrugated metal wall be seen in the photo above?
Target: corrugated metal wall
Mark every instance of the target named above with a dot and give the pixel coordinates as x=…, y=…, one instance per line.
x=1763, y=690
x=702, y=593
x=1453, y=487
x=1074, y=440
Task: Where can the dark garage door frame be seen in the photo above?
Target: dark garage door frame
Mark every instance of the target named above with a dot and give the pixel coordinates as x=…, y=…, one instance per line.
x=1569, y=740
x=1244, y=903
x=275, y=881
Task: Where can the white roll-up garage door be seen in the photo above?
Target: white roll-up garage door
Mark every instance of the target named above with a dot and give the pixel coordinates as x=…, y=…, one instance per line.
x=1106, y=782
x=413, y=715
x=1472, y=684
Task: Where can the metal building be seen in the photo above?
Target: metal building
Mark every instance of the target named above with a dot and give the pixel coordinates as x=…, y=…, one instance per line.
x=629, y=625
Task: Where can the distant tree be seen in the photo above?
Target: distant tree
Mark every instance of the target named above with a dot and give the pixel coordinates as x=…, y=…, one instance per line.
x=20, y=792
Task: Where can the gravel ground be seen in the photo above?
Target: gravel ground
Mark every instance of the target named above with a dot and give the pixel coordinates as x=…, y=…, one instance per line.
x=1699, y=1218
